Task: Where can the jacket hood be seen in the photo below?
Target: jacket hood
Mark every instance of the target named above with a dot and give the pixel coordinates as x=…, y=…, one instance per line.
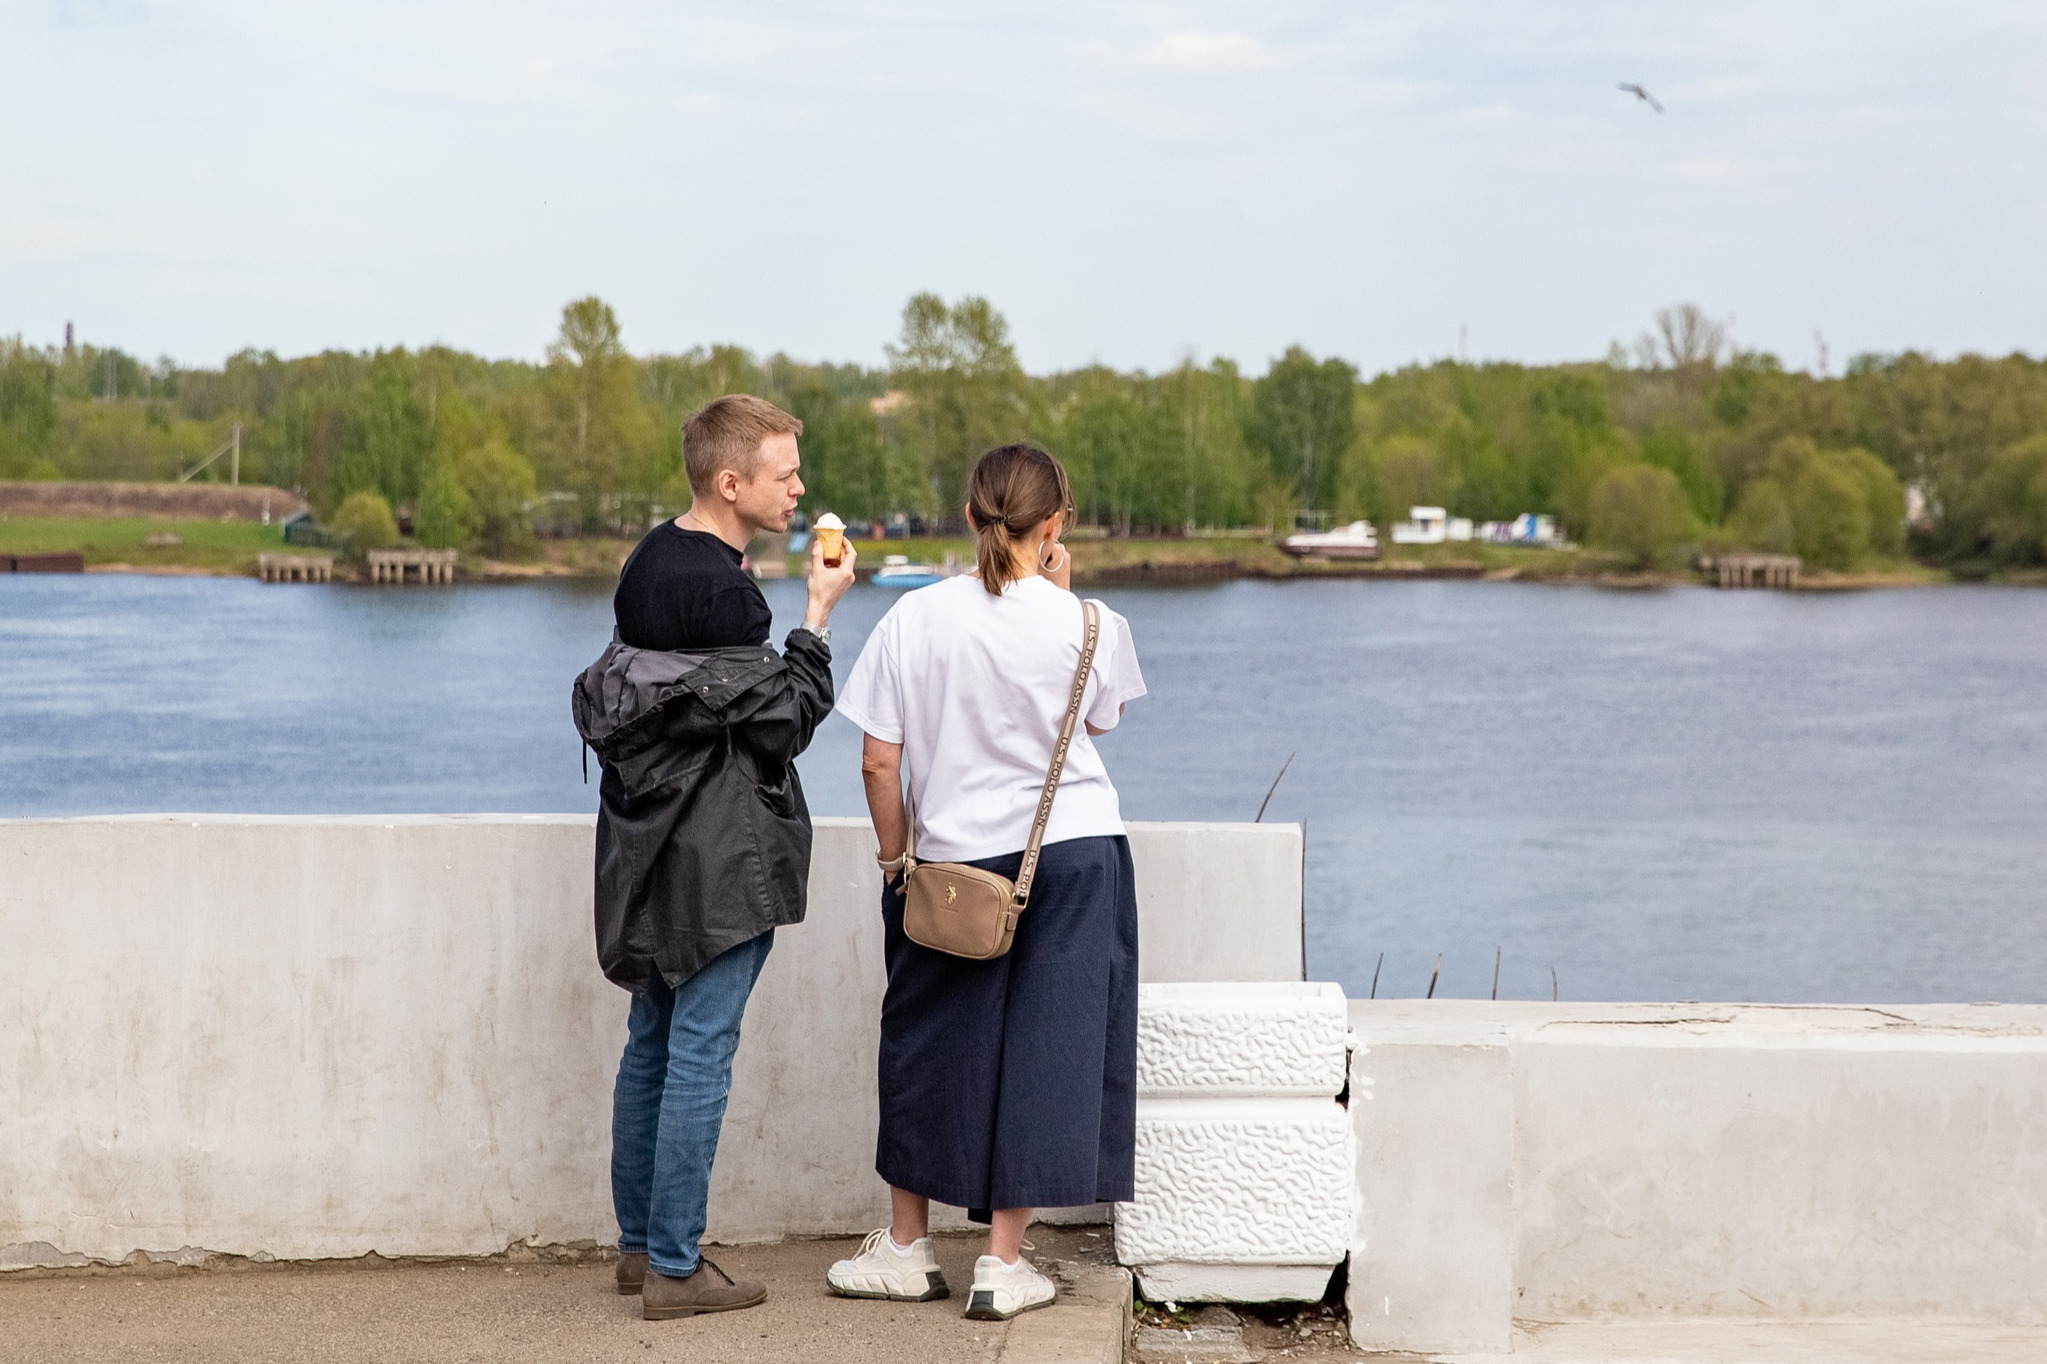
x=626, y=687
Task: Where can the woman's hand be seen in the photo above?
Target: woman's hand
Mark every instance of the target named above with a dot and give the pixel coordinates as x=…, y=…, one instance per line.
x=1055, y=561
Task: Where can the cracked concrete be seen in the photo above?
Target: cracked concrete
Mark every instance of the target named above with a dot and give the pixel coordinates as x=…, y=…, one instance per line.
x=566, y=1313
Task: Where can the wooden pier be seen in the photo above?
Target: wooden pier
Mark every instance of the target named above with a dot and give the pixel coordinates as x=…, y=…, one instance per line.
x=57, y=561
x=1755, y=570
x=411, y=565
x=295, y=568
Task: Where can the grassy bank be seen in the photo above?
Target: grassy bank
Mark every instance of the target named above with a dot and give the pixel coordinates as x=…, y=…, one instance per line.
x=225, y=547
x=1213, y=560
x=1099, y=561
x=1198, y=560
x=231, y=547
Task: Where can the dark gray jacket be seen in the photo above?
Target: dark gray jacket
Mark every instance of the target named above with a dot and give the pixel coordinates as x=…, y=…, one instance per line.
x=703, y=839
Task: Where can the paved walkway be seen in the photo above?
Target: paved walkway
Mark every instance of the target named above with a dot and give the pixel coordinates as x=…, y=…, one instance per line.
x=1746, y=1342
x=556, y=1313
x=570, y=1314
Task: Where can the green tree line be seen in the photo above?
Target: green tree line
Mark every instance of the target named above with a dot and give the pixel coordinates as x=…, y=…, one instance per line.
x=1679, y=441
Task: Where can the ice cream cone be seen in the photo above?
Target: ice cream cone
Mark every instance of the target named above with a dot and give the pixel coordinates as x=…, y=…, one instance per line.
x=831, y=539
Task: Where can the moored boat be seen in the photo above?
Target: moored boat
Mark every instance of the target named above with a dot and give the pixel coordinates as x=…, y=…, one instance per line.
x=1355, y=541
x=897, y=571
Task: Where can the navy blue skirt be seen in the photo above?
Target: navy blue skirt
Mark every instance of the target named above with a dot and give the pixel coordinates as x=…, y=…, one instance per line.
x=1012, y=1083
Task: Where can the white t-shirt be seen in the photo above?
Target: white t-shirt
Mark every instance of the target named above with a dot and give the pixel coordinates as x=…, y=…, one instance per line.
x=973, y=687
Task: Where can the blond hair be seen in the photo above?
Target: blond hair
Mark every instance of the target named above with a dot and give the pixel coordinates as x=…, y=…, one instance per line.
x=726, y=433
x=1014, y=489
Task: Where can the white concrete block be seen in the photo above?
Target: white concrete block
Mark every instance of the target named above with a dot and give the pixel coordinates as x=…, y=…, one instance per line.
x=1181, y=1281
x=1218, y=902
x=1244, y=1155
x=1242, y=1039
x=1573, y=1162
x=1432, y=1268
x=1786, y=1179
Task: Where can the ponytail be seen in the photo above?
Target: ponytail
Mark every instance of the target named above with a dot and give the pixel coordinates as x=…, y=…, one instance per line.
x=1013, y=490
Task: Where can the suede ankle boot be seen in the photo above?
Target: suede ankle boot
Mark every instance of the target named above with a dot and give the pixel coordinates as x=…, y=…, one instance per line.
x=710, y=1289
x=632, y=1271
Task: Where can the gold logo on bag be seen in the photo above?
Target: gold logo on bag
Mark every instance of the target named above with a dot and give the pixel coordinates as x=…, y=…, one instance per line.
x=952, y=892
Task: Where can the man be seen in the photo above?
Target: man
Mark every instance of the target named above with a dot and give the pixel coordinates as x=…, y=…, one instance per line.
x=703, y=839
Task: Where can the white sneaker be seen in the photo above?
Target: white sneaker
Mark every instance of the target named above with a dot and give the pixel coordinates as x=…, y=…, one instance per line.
x=882, y=1270
x=1003, y=1290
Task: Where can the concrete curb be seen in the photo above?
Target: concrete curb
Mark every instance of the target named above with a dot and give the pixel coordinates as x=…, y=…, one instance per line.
x=1089, y=1324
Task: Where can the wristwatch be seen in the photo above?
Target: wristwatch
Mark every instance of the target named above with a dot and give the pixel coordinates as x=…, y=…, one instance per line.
x=823, y=632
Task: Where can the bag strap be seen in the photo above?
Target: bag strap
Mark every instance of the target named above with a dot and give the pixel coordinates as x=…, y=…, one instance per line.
x=910, y=832
x=1091, y=615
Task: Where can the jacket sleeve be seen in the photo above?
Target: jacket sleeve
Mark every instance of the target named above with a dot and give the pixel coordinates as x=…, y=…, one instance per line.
x=775, y=721
x=810, y=677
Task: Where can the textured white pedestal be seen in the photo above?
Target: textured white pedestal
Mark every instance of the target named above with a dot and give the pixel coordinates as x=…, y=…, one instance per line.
x=1245, y=1159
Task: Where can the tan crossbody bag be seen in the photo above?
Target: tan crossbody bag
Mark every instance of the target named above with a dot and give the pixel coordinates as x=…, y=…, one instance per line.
x=962, y=910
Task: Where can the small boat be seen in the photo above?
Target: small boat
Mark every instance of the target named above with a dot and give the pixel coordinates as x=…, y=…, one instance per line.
x=897, y=571
x=1355, y=541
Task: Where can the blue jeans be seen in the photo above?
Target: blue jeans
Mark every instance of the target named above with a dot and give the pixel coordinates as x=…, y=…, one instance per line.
x=670, y=1101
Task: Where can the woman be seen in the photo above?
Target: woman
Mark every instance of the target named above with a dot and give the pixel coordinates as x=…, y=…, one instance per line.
x=1006, y=1085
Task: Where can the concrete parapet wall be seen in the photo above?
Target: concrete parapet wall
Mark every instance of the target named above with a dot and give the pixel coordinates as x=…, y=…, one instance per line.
x=314, y=1037
x=1591, y=1162
x=319, y=1037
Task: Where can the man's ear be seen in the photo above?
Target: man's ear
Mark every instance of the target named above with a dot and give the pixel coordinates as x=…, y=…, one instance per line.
x=727, y=484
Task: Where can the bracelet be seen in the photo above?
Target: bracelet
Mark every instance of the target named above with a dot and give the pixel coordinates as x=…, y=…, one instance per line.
x=890, y=866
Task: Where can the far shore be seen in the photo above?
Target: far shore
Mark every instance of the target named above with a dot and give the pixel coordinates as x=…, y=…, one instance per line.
x=229, y=548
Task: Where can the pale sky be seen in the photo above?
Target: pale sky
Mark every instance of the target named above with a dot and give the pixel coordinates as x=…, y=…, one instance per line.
x=1128, y=183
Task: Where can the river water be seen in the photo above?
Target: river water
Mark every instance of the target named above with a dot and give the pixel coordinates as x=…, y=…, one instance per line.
x=1679, y=794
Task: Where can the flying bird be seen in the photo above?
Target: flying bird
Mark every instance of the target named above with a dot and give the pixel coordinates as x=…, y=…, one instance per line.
x=1643, y=95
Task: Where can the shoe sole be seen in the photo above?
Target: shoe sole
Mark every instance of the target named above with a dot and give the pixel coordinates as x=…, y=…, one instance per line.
x=937, y=1290
x=671, y=1313
x=981, y=1307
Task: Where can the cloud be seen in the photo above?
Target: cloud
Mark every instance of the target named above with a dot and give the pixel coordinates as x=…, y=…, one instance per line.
x=1488, y=113
x=92, y=13
x=1704, y=168
x=1198, y=51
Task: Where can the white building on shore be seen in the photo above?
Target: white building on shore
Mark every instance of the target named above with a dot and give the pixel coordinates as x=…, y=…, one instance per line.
x=1430, y=526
